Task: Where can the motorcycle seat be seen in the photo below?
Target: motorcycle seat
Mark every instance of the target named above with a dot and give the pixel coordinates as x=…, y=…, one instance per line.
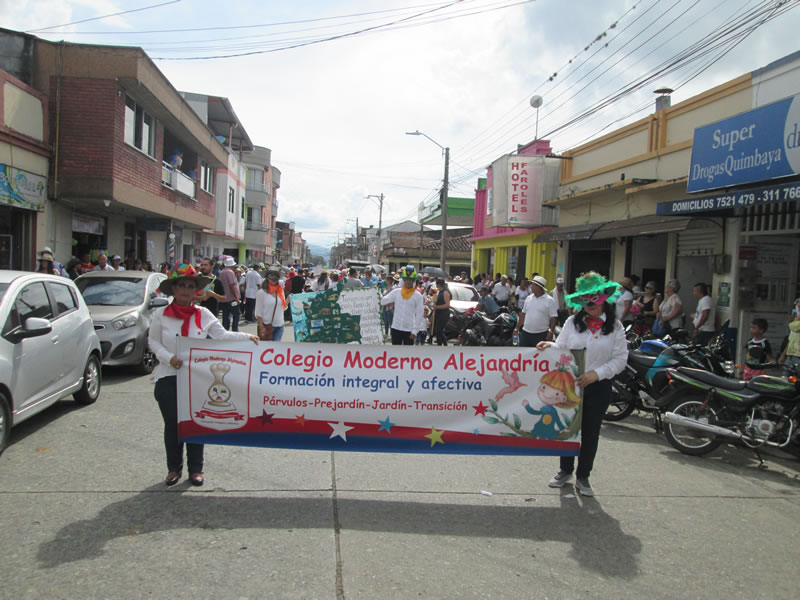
x=640, y=358
x=776, y=386
x=716, y=381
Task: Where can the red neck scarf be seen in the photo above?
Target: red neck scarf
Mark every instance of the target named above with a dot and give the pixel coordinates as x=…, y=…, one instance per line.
x=274, y=288
x=594, y=323
x=185, y=313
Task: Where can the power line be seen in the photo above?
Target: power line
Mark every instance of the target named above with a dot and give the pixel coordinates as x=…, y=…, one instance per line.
x=116, y=14
x=224, y=28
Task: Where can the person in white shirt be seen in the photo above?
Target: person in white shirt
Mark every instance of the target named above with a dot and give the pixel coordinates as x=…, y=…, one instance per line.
x=625, y=301
x=252, y=283
x=539, y=315
x=704, y=323
x=270, y=305
x=181, y=318
x=502, y=291
x=116, y=263
x=523, y=291
x=559, y=294
x=409, y=309
x=102, y=264
x=321, y=283
x=593, y=328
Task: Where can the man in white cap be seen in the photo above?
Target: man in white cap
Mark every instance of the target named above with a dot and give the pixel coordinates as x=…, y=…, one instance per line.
x=230, y=307
x=539, y=315
x=116, y=263
x=559, y=295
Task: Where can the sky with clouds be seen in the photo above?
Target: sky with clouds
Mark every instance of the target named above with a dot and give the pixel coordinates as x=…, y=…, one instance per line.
x=333, y=86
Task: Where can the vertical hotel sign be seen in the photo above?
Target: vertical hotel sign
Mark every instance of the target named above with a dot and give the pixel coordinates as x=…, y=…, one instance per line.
x=519, y=186
x=757, y=145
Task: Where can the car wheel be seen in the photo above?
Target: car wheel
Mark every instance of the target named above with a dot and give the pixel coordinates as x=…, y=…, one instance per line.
x=148, y=362
x=5, y=421
x=92, y=380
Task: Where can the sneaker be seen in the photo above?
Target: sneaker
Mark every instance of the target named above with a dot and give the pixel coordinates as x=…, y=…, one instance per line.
x=583, y=487
x=559, y=480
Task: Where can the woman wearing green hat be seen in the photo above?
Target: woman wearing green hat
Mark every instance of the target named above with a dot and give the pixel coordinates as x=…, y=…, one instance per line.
x=594, y=328
x=409, y=309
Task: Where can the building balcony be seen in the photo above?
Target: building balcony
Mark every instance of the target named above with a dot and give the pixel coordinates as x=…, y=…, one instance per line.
x=256, y=237
x=176, y=180
x=257, y=194
x=252, y=226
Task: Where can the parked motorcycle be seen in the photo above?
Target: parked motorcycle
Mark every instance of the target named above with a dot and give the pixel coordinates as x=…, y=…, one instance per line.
x=704, y=409
x=480, y=330
x=644, y=380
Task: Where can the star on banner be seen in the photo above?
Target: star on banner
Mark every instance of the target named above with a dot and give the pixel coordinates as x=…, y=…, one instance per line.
x=435, y=437
x=301, y=419
x=340, y=429
x=266, y=417
x=386, y=425
x=480, y=409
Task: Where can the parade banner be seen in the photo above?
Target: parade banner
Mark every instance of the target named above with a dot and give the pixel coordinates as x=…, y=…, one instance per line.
x=464, y=400
x=338, y=316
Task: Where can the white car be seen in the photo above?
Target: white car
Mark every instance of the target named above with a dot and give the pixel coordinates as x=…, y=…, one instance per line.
x=48, y=347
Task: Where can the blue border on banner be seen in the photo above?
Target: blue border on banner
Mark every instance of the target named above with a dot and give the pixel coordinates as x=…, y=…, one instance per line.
x=355, y=443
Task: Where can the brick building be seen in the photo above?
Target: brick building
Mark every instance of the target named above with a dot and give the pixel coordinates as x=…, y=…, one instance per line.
x=114, y=120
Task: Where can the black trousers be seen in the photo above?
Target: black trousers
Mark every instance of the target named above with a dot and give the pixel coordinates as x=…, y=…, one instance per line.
x=596, y=398
x=230, y=316
x=529, y=340
x=166, y=393
x=401, y=338
x=439, y=323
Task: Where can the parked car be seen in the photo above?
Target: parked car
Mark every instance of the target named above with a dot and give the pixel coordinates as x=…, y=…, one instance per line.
x=48, y=347
x=463, y=296
x=121, y=304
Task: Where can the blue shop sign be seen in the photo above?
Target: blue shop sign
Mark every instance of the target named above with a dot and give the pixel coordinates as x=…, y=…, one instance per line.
x=756, y=145
x=783, y=192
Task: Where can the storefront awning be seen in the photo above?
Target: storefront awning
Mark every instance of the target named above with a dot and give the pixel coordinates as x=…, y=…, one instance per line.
x=647, y=225
x=573, y=232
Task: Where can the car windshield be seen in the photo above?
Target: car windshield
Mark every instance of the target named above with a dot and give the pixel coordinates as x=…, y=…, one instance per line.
x=112, y=292
x=464, y=293
x=3, y=288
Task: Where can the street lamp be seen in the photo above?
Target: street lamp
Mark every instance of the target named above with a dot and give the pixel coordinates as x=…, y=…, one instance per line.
x=444, y=195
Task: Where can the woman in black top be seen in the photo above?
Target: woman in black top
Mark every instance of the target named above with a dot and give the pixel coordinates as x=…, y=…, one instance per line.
x=442, y=312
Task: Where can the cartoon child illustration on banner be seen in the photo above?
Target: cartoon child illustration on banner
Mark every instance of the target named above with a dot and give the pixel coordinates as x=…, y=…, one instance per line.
x=556, y=391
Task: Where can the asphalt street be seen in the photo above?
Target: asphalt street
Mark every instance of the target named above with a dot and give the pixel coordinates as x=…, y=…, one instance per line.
x=85, y=514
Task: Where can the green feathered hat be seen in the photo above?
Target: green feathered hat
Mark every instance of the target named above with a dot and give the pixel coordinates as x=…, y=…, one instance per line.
x=595, y=288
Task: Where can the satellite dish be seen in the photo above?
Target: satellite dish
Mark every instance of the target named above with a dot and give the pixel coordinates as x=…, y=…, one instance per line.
x=536, y=101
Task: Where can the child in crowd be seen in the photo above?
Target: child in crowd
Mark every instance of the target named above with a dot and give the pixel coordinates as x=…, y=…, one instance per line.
x=758, y=348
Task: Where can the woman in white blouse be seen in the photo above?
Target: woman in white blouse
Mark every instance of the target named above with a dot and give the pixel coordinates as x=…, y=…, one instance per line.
x=181, y=318
x=593, y=328
x=270, y=304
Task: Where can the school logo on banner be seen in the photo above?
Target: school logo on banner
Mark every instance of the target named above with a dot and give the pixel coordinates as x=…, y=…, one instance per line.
x=219, y=393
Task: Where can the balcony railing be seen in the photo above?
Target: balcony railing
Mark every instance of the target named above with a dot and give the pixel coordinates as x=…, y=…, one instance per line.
x=173, y=178
x=252, y=226
x=254, y=186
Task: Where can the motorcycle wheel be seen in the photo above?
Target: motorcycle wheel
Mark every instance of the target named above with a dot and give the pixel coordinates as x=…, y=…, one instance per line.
x=685, y=439
x=622, y=402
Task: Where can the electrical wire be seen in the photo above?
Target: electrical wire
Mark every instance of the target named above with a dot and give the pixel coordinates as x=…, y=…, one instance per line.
x=116, y=14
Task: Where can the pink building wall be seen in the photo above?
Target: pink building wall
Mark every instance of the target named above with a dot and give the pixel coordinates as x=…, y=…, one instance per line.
x=480, y=231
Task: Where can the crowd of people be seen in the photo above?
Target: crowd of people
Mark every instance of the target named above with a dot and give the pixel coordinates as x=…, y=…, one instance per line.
x=208, y=302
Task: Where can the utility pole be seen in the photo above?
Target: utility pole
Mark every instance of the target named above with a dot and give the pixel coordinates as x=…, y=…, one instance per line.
x=380, y=221
x=445, y=193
